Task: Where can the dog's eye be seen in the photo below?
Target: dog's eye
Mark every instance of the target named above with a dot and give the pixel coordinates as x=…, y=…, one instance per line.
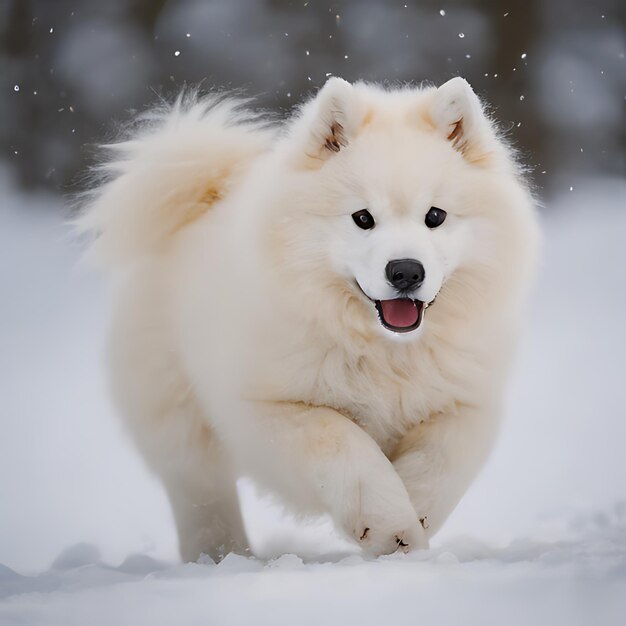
x=364, y=219
x=435, y=217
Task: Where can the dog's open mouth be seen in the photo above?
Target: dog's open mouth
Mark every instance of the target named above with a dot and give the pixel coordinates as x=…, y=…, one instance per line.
x=400, y=315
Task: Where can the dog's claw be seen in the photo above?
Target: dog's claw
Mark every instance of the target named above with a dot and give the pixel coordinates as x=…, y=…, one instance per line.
x=364, y=535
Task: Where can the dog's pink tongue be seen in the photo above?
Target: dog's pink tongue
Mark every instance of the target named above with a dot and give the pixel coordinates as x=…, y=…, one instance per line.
x=401, y=312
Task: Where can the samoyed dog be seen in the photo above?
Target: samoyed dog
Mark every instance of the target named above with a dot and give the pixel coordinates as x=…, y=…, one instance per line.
x=328, y=306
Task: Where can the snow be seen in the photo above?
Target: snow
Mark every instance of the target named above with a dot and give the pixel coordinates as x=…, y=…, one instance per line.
x=86, y=536
x=567, y=582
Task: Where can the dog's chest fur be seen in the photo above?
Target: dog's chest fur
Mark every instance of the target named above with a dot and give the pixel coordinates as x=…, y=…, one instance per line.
x=385, y=390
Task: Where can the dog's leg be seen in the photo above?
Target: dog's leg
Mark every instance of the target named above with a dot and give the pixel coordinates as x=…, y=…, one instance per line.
x=211, y=524
x=202, y=488
x=438, y=459
x=320, y=461
x=175, y=437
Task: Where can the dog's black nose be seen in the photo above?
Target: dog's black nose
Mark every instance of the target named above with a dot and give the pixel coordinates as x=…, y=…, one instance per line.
x=405, y=274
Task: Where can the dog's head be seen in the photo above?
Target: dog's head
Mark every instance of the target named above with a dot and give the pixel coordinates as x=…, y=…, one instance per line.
x=396, y=197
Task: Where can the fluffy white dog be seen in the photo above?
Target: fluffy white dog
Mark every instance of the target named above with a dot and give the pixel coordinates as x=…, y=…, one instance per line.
x=328, y=306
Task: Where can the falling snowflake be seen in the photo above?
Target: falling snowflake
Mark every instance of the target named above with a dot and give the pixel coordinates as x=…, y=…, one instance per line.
x=442, y=13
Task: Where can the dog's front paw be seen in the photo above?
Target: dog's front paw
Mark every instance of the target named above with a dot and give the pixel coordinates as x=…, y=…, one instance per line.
x=387, y=538
x=383, y=519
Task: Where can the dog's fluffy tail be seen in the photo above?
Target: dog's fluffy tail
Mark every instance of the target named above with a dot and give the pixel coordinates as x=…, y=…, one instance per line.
x=176, y=162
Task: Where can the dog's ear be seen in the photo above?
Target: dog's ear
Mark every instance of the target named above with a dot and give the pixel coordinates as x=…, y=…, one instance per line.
x=331, y=119
x=457, y=114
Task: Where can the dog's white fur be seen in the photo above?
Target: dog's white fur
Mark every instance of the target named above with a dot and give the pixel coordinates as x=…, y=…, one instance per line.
x=241, y=343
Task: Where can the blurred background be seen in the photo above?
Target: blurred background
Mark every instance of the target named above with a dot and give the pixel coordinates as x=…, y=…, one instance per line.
x=553, y=69
x=554, y=74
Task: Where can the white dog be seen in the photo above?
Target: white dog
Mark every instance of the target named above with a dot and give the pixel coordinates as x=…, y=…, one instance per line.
x=328, y=307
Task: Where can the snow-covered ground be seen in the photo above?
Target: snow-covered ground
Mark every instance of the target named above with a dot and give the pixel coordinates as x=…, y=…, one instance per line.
x=86, y=536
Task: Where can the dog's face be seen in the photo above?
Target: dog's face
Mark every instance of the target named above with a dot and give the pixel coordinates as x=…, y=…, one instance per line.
x=400, y=229
x=398, y=199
